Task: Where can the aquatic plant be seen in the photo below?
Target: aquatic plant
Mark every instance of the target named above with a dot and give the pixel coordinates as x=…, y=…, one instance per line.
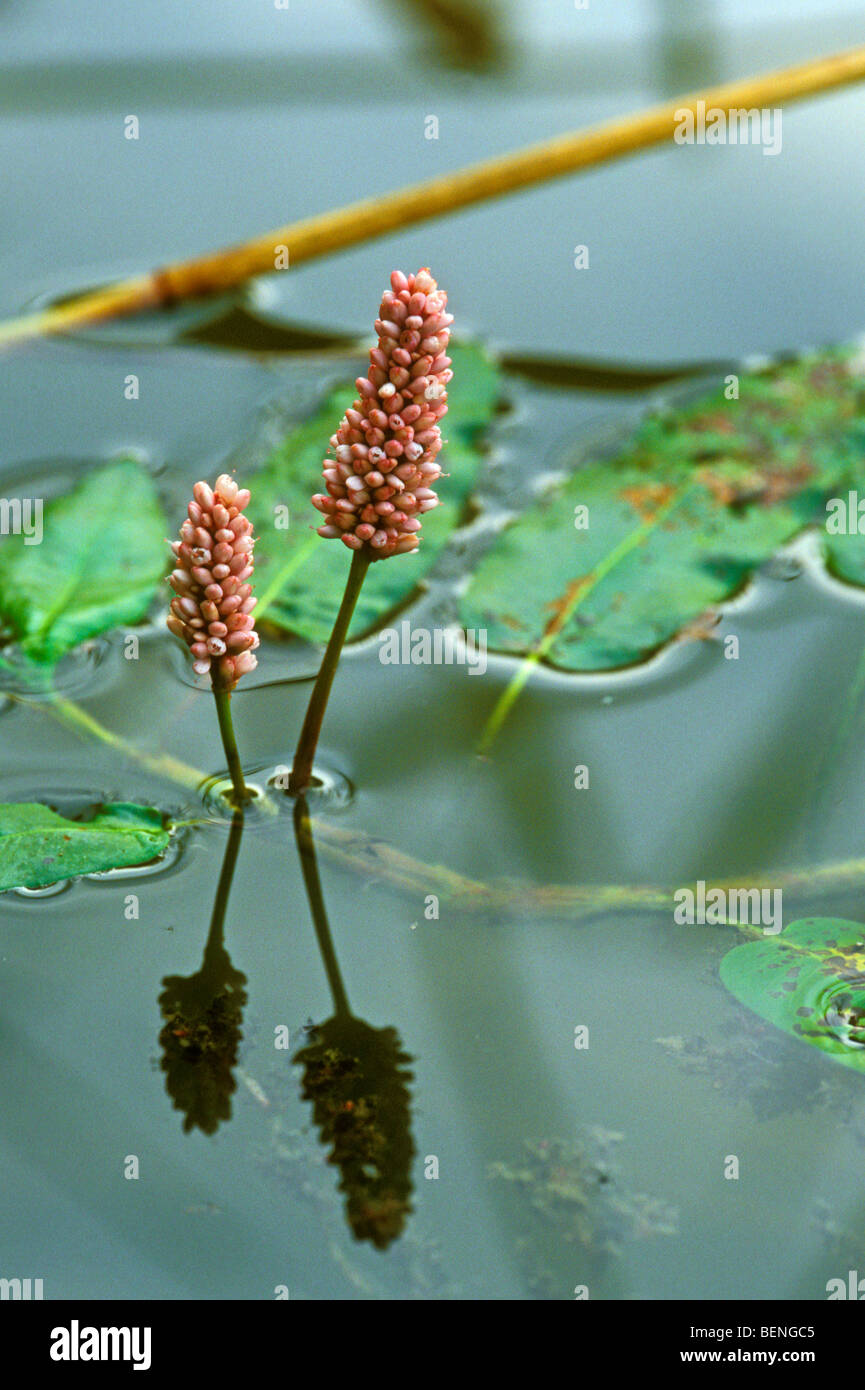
x=213, y=600
x=379, y=482
x=685, y=512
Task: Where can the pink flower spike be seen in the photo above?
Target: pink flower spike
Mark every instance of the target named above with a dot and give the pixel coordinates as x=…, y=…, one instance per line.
x=211, y=604
x=393, y=419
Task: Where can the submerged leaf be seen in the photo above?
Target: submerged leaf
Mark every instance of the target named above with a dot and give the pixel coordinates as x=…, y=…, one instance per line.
x=809, y=981
x=38, y=846
x=300, y=579
x=677, y=522
x=98, y=564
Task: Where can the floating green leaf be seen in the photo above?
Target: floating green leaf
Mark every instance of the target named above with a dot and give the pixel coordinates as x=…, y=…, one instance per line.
x=678, y=521
x=98, y=564
x=299, y=577
x=38, y=846
x=844, y=546
x=809, y=980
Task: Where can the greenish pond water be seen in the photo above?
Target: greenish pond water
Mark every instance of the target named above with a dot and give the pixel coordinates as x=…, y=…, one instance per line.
x=556, y=1167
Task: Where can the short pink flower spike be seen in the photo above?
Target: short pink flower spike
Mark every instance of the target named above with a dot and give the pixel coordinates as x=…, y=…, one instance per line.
x=213, y=603
x=381, y=478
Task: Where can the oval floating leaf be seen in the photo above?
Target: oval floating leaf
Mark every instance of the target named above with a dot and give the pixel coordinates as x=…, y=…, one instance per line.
x=97, y=564
x=844, y=546
x=809, y=980
x=299, y=578
x=38, y=846
x=675, y=523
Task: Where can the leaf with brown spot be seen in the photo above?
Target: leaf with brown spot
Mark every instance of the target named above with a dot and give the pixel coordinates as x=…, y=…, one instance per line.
x=671, y=536
x=822, y=997
x=648, y=499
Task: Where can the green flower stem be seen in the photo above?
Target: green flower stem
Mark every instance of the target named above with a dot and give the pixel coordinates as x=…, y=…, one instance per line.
x=301, y=773
x=229, y=742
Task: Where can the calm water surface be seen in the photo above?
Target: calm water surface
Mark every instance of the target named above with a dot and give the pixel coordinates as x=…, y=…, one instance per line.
x=700, y=767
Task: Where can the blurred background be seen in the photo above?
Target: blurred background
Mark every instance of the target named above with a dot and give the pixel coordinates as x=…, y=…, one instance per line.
x=253, y=114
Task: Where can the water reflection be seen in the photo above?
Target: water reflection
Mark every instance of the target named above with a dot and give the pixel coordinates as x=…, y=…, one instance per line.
x=203, y=1015
x=357, y=1079
x=356, y=1076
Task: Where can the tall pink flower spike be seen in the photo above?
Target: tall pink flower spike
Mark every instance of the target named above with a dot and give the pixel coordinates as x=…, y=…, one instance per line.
x=381, y=478
x=213, y=603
